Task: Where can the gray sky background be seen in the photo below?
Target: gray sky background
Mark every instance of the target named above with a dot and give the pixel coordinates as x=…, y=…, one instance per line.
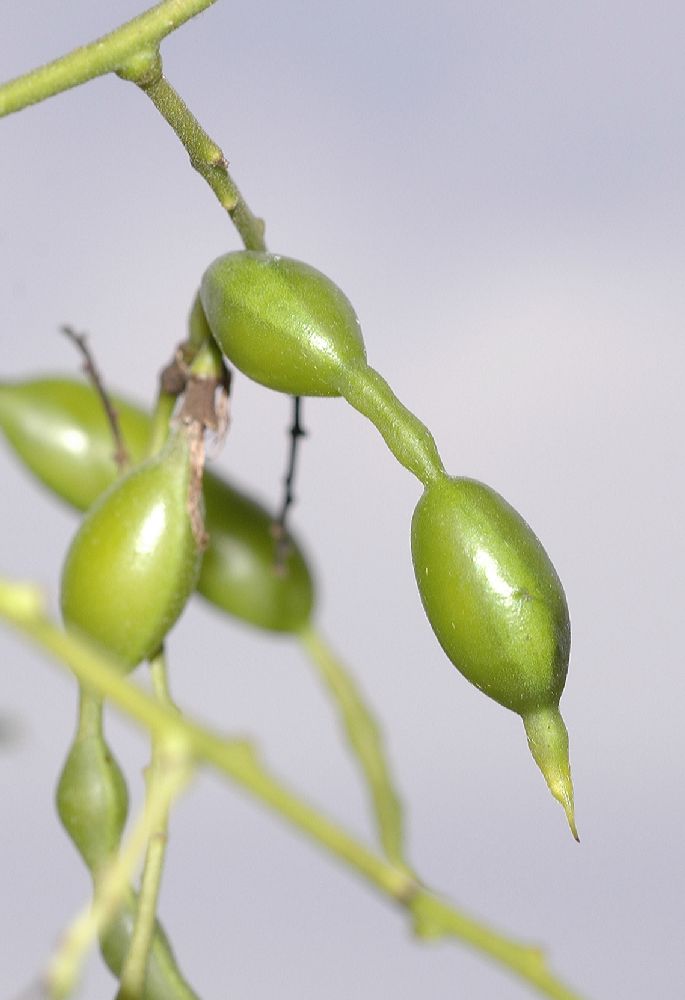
x=499, y=189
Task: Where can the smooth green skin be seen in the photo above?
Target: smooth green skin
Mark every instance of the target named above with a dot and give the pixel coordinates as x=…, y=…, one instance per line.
x=59, y=429
x=287, y=326
x=239, y=572
x=491, y=594
x=92, y=800
x=237, y=575
x=406, y=436
x=134, y=561
x=92, y=803
x=281, y=322
x=498, y=609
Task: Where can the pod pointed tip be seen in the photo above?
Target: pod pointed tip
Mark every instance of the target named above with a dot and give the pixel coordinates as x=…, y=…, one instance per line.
x=548, y=742
x=563, y=793
x=570, y=816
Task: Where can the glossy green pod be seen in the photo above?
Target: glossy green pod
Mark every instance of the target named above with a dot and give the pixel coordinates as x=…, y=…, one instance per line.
x=238, y=570
x=92, y=803
x=281, y=322
x=499, y=611
x=134, y=560
x=92, y=799
x=59, y=429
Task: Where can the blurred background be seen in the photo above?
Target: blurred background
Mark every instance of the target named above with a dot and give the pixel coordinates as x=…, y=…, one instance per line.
x=499, y=190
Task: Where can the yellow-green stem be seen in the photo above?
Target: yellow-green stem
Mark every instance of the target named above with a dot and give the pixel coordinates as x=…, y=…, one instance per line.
x=364, y=738
x=161, y=416
x=205, y=155
x=406, y=436
x=104, y=55
x=89, y=713
x=133, y=974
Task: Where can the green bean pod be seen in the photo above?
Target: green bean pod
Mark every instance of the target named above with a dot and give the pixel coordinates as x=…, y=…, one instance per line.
x=288, y=326
x=135, y=558
x=498, y=609
x=281, y=322
x=92, y=799
x=92, y=803
x=58, y=429
x=240, y=573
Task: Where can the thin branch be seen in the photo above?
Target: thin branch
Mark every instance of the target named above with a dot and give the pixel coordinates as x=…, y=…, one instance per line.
x=279, y=527
x=121, y=456
x=365, y=740
x=206, y=157
x=105, y=55
x=132, y=980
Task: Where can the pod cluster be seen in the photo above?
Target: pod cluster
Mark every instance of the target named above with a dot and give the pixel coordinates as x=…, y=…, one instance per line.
x=58, y=429
x=489, y=590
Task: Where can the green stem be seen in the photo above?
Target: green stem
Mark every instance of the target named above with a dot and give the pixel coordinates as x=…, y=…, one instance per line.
x=406, y=436
x=435, y=918
x=89, y=714
x=21, y=605
x=161, y=416
x=105, y=55
x=199, y=333
x=135, y=967
x=205, y=156
x=132, y=51
x=364, y=738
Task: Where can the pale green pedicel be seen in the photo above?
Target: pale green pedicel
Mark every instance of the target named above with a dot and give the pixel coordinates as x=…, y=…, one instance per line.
x=406, y=436
x=365, y=740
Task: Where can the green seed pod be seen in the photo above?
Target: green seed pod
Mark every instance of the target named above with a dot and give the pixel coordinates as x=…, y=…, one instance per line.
x=92, y=803
x=92, y=800
x=239, y=571
x=498, y=609
x=59, y=429
x=135, y=560
x=281, y=322
x=163, y=979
